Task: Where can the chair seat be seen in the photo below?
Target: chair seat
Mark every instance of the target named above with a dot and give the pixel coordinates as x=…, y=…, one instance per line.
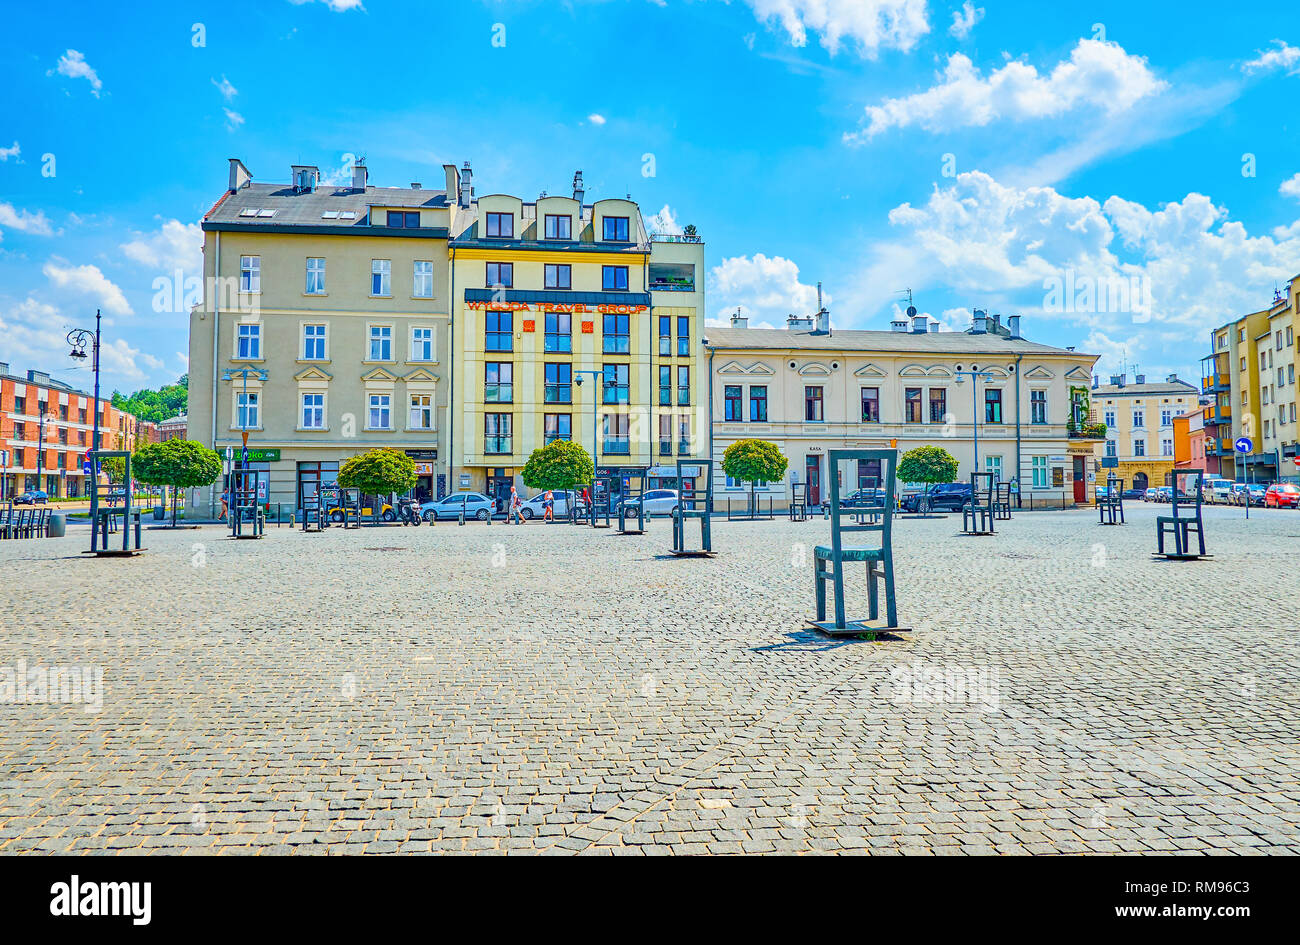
x=1174, y=519
x=692, y=513
x=825, y=553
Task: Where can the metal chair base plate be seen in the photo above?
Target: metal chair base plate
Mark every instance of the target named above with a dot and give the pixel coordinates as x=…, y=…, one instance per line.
x=245, y=537
x=116, y=553
x=989, y=532
x=1173, y=556
x=692, y=554
x=855, y=627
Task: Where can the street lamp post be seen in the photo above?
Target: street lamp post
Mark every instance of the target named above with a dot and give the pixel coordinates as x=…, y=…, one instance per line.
x=78, y=338
x=974, y=374
x=595, y=432
x=229, y=375
x=40, y=448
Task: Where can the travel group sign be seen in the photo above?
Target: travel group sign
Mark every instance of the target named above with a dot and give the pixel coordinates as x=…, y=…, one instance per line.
x=575, y=307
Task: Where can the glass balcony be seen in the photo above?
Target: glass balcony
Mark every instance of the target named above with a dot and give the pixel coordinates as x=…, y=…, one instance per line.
x=617, y=446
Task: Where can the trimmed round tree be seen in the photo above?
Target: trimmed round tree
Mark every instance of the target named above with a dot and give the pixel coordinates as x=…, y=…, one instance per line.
x=754, y=461
x=379, y=472
x=560, y=464
x=930, y=465
x=181, y=464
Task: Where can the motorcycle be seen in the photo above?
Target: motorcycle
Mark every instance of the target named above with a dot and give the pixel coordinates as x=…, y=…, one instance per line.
x=409, y=511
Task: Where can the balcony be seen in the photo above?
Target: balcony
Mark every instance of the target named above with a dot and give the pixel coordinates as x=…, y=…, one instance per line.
x=1214, y=383
x=496, y=445
x=1217, y=413
x=617, y=446
x=1086, y=431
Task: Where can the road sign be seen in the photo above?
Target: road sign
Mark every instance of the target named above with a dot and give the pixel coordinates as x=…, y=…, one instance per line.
x=85, y=468
x=1296, y=460
x=1243, y=444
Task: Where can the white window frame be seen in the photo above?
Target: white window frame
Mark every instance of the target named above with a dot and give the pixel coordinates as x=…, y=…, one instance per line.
x=383, y=268
x=415, y=354
x=317, y=271
x=385, y=408
x=418, y=277
x=1038, y=464
x=323, y=339
x=371, y=339
x=1139, y=441
x=250, y=274
x=412, y=408
x=250, y=408
x=254, y=339
x=302, y=418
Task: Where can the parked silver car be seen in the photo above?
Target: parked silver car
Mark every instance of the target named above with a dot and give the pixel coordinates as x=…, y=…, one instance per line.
x=535, y=507
x=657, y=502
x=475, y=504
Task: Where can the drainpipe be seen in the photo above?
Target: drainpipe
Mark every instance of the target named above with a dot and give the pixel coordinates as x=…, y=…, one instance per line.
x=1019, y=470
x=451, y=379
x=710, y=379
x=216, y=336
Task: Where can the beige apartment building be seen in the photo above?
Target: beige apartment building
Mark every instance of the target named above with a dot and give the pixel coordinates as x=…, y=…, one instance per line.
x=810, y=388
x=1139, y=417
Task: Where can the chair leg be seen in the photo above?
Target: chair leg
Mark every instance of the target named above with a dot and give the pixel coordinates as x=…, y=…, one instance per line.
x=873, y=593
x=891, y=602
x=839, y=594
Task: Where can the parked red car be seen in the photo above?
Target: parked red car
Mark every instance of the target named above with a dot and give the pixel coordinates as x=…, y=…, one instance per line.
x=1282, y=495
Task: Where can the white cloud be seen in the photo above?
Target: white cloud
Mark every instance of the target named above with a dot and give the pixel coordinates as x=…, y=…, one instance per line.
x=664, y=222
x=35, y=335
x=175, y=245
x=7, y=153
x=1290, y=187
x=964, y=20
x=227, y=90
x=73, y=64
x=1281, y=56
x=24, y=220
x=870, y=25
x=1099, y=75
x=766, y=289
x=88, y=280
x=596, y=118
x=233, y=119
x=338, y=6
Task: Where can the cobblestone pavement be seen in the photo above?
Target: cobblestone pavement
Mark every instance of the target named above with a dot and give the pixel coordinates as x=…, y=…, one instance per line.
x=555, y=689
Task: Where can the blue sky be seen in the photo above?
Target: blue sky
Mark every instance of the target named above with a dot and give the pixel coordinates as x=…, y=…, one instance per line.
x=1123, y=175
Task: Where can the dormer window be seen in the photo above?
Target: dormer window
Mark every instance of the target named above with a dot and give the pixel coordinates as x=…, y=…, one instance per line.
x=501, y=225
x=616, y=229
x=558, y=226
x=404, y=219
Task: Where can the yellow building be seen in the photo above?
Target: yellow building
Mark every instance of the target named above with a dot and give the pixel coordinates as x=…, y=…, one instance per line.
x=1139, y=418
x=569, y=320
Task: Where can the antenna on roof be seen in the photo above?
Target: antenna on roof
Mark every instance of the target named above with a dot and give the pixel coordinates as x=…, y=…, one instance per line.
x=911, y=309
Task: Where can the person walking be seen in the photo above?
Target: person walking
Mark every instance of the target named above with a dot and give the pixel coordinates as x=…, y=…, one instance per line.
x=516, y=508
x=548, y=506
x=225, y=503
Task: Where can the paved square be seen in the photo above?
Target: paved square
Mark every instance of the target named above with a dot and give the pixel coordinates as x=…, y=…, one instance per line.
x=549, y=688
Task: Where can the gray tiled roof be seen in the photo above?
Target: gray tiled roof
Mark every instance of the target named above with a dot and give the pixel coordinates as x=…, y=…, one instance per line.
x=294, y=209
x=933, y=342
x=1142, y=390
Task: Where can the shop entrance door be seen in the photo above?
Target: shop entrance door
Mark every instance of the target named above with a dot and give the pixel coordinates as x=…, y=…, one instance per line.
x=813, y=476
x=498, y=488
x=1080, y=481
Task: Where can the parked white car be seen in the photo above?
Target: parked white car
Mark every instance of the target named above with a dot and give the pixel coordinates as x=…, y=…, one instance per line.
x=536, y=506
x=657, y=502
x=1217, y=491
x=475, y=504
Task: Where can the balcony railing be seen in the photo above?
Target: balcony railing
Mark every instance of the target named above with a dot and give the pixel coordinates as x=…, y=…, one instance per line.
x=1214, y=382
x=496, y=445
x=674, y=238
x=617, y=445
x=1217, y=413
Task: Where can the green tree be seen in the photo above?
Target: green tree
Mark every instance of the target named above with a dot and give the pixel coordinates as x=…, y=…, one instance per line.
x=114, y=467
x=754, y=461
x=560, y=464
x=928, y=464
x=181, y=464
x=379, y=472
x=155, y=406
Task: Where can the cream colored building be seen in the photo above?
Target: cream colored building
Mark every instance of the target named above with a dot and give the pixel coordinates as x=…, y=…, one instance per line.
x=1139, y=418
x=810, y=388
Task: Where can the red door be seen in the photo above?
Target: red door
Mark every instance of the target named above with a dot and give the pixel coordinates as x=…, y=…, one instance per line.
x=813, y=476
x=1080, y=483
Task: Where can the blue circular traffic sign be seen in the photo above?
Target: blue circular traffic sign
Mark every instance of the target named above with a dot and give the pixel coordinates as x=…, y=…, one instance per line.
x=1243, y=444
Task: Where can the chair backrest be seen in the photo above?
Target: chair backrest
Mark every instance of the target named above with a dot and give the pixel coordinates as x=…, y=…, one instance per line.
x=1193, y=480
x=695, y=498
x=888, y=460
x=981, y=488
x=1004, y=491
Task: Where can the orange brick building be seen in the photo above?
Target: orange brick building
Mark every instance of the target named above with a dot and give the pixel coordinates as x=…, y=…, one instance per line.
x=66, y=432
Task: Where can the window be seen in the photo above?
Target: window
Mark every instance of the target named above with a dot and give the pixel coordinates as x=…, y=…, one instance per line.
x=421, y=412
x=496, y=433
x=501, y=225
x=993, y=406
x=1038, y=406
x=408, y=219
x=993, y=464
x=557, y=228
x=500, y=275
x=1111, y=449
x=381, y=273
x=665, y=434
x=616, y=427
x=421, y=344
x=758, y=404
x=499, y=331
x=315, y=275
x=422, y=279
x=1110, y=419
x=1039, y=467
x=1139, y=446
x=871, y=405
x=732, y=399
x=559, y=381
x=558, y=426
x=246, y=410
x=381, y=412
x=498, y=382
x=559, y=332
x=684, y=434
x=1243, y=362
x=313, y=411
x=683, y=336
x=559, y=276
x=1166, y=416
x=1279, y=340
x=1139, y=419
x=616, y=383
x=665, y=335
x=381, y=343
x=938, y=404
x=250, y=273
x=1289, y=335
x=1166, y=446
x=665, y=386
x=615, y=229
x=912, y=405
x=250, y=343
x=812, y=404
x=683, y=386
x=614, y=278
x=617, y=334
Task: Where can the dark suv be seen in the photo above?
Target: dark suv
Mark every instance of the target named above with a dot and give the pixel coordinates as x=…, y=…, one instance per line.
x=947, y=496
